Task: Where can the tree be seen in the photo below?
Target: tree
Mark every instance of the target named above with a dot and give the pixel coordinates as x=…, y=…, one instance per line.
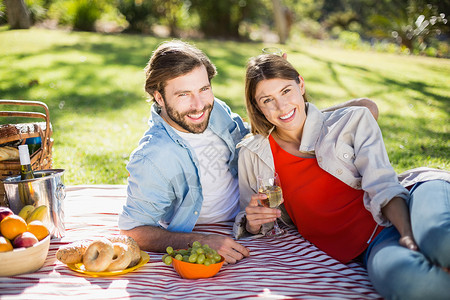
x=171, y=13
x=222, y=18
x=138, y=14
x=18, y=14
x=281, y=20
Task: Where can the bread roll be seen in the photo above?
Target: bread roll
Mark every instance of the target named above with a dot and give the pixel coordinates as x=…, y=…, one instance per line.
x=133, y=247
x=72, y=253
x=9, y=153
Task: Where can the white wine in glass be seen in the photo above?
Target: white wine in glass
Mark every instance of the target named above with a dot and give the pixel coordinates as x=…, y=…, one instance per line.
x=274, y=196
x=270, y=186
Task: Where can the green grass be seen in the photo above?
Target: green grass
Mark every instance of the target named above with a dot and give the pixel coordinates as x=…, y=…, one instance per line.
x=93, y=85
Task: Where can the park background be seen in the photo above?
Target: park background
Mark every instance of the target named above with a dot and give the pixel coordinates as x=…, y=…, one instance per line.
x=85, y=60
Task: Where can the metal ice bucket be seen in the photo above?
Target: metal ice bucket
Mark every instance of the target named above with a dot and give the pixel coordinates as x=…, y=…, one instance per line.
x=47, y=188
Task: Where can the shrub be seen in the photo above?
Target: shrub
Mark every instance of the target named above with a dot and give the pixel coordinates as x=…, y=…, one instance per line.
x=312, y=29
x=223, y=18
x=443, y=49
x=350, y=39
x=3, y=19
x=37, y=9
x=341, y=19
x=137, y=14
x=86, y=13
x=80, y=14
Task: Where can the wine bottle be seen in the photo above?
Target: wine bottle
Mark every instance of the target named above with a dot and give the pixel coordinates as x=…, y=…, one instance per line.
x=26, y=172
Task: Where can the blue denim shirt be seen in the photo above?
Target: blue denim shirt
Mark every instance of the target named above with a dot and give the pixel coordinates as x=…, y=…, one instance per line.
x=164, y=185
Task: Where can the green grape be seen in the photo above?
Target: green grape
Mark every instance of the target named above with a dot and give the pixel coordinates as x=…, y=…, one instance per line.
x=197, y=253
x=167, y=260
x=169, y=250
x=179, y=257
x=201, y=259
x=193, y=258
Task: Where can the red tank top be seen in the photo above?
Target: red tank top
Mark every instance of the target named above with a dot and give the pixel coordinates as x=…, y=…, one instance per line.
x=326, y=211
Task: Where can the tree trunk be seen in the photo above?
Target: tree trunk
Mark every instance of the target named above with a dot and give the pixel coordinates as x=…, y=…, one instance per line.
x=18, y=14
x=280, y=20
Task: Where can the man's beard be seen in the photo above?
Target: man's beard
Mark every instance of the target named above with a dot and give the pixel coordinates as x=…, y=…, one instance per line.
x=181, y=121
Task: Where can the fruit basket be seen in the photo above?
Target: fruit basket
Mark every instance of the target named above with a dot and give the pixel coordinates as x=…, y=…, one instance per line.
x=24, y=260
x=14, y=134
x=24, y=241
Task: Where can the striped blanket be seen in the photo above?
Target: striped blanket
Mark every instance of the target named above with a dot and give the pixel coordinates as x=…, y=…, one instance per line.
x=278, y=268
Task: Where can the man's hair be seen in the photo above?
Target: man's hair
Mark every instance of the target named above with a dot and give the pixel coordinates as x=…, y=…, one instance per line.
x=173, y=59
x=262, y=67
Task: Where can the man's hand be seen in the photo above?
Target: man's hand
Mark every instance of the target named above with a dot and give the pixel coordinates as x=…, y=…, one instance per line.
x=225, y=246
x=257, y=215
x=156, y=239
x=366, y=102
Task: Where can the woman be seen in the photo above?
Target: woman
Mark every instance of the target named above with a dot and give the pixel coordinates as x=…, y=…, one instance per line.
x=339, y=188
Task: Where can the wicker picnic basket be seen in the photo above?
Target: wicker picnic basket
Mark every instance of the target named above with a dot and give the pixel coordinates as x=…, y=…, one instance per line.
x=13, y=135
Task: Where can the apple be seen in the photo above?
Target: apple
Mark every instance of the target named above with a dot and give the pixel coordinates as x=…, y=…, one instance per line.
x=26, y=239
x=4, y=212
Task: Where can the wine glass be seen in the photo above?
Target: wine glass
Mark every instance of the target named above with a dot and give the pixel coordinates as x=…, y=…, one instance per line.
x=271, y=187
x=272, y=50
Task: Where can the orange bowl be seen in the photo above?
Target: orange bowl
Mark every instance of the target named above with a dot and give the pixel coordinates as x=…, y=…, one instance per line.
x=195, y=271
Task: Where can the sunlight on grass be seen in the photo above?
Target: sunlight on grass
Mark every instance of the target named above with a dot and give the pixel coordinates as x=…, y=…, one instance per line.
x=93, y=85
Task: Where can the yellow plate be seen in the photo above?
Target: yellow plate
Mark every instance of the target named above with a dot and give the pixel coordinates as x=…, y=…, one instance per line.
x=79, y=267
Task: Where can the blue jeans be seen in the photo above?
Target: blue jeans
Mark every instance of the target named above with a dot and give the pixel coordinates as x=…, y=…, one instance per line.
x=399, y=273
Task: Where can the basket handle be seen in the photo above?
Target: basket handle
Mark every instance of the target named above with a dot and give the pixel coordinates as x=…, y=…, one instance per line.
x=45, y=116
x=25, y=114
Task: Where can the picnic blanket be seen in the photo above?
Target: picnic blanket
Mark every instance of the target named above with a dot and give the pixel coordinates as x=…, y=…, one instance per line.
x=278, y=268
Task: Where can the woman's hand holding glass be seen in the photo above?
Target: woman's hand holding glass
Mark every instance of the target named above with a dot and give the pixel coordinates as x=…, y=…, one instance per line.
x=258, y=214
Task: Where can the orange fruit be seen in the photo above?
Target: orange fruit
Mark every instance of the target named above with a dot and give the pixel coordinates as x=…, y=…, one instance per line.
x=37, y=228
x=5, y=244
x=12, y=226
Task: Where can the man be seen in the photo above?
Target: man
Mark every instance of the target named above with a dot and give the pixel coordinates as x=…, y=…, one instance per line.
x=184, y=171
